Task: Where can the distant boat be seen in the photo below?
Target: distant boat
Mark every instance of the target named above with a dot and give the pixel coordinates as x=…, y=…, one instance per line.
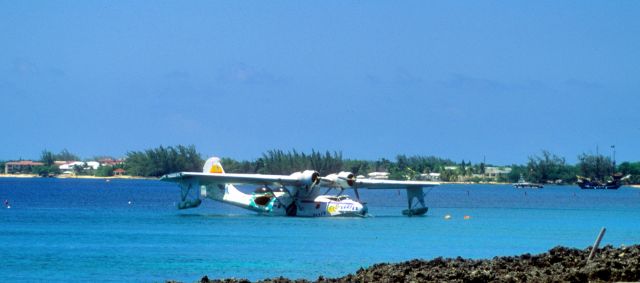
x=614, y=184
x=521, y=184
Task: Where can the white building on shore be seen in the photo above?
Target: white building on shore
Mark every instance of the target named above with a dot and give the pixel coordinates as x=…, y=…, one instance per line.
x=379, y=175
x=494, y=172
x=430, y=176
x=89, y=164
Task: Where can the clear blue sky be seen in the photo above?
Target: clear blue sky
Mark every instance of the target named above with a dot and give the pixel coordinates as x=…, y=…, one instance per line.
x=372, y=79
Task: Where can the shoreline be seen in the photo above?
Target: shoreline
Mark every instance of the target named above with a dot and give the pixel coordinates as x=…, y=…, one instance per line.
x=127, y=177
x=560, y=264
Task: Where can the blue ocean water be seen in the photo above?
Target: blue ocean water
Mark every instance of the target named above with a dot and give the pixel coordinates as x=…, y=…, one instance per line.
x=130, y=231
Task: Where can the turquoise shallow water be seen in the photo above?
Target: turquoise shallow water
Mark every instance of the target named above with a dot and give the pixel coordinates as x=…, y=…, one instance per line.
x=82, y=230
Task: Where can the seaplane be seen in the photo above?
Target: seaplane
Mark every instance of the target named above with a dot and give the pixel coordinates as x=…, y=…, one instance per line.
x=303, y=194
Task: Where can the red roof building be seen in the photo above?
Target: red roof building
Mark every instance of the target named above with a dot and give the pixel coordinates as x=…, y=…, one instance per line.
x=22, y=166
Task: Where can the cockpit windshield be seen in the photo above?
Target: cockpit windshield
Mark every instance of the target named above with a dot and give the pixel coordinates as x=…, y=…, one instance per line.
x=338, y=198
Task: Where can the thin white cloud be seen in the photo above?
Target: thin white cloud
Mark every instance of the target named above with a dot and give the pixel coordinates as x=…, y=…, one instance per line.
x=399, y=76
x=245, y=74
x=24, y=67
x=460, y=81
x=177, y=74
x=582, y=84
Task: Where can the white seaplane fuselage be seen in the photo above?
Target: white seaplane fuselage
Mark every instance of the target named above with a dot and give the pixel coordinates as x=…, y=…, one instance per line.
x=281, y=203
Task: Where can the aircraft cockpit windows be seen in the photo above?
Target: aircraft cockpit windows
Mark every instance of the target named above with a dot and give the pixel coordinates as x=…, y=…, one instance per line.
x=337, y=198
x=264, y=190
x=261, y=190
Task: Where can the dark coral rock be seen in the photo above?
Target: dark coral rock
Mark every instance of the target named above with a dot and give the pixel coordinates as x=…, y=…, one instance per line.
x=560, y=264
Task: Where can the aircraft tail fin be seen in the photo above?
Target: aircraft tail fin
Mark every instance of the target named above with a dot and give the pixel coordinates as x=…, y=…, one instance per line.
x=213, y=166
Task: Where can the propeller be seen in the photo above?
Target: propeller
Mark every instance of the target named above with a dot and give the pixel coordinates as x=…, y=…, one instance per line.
x=351, y=181
x=315, y=180
x=342, y=180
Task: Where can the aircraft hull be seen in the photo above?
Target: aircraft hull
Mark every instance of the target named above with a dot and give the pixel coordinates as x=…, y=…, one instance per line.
x=281, y=204
x=313, y=208
x=319, y=209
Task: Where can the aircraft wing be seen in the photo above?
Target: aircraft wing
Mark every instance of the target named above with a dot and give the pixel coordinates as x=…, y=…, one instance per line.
x=346, y=180
x=415, y=195
x=391, y=184
x=232, y=178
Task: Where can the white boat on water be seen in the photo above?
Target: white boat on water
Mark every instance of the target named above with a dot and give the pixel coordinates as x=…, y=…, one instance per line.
x=521, y=184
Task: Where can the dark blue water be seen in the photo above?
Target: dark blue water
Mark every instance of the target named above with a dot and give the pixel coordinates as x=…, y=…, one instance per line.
x=86, y=230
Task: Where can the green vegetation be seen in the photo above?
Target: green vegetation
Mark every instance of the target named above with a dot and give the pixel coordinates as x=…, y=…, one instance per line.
x=46, y=171
x=63, y=155
x=163, y=160
x=104, y=171
x=549, y=168
x=595, y=166
x=48, y=158
x=281, y=162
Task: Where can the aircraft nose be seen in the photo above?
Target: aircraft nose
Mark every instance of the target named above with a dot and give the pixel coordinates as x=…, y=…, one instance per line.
x=363, y=209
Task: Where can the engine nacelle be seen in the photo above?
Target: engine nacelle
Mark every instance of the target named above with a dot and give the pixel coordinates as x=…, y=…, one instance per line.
x=345, y=179
x=307, y=177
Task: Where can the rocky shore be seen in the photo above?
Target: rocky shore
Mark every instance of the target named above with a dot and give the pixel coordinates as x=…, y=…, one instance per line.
x=560, y=264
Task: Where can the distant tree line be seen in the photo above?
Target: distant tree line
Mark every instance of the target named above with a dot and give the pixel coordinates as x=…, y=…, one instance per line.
x=281, y=162
x=550, y=168
x=163, y=160
x=545, y=167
